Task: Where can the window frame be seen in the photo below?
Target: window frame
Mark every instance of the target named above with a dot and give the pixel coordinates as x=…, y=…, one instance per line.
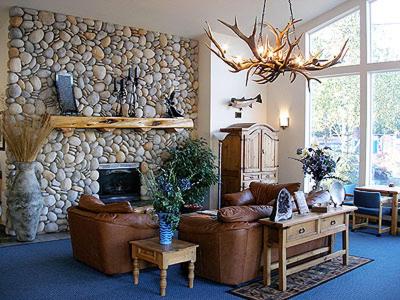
x=365, y=70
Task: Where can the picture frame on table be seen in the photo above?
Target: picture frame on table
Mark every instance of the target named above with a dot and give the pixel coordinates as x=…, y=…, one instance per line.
x=301, y=203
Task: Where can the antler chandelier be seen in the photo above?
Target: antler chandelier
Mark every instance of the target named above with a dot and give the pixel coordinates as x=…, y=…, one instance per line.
x=271, y=59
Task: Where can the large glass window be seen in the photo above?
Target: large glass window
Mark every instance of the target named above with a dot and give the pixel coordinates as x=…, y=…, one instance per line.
x=340, y=106
x=384, y=30
x=385, y=94
x=329, y=39
x=335, y=121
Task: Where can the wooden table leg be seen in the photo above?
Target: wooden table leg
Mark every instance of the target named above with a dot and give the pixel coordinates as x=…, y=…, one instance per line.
x=191, y=274
x=267, y=257
x=394, y=214
x=332, y=238
x=345, y=241
x=136, y=271
x=282, y=260
x=163, y=281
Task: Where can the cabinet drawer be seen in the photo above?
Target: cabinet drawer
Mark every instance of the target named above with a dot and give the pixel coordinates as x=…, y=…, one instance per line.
x=302, y=230
x=332, y=222
x=251, y=177
x=269, y=176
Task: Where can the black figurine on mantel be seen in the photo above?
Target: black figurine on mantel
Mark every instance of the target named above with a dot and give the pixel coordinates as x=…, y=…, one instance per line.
x=172, y=112
x=123, y=95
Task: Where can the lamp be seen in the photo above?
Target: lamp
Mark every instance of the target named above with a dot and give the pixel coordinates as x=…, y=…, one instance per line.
x=220, y=136
x=284, y=121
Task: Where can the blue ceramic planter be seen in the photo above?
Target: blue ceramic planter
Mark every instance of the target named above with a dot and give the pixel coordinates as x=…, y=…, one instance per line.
x=166, y=232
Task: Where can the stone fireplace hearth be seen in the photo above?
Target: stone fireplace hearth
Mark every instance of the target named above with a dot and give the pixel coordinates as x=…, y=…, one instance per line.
x=42, y=44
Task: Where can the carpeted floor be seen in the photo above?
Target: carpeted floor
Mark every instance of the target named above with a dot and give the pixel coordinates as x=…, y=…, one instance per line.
x=48, y=271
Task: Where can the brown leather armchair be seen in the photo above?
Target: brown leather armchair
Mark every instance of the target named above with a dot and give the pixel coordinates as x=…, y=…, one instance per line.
x=100, y=233
x=230, y=245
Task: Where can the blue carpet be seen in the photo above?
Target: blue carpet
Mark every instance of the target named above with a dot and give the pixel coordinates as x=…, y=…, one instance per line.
x=48, y=271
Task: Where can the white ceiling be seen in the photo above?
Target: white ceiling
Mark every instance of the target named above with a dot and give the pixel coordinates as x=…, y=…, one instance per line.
x=182, y=17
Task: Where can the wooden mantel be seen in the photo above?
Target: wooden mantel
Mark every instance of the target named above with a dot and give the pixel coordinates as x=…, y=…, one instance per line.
x=72, y=122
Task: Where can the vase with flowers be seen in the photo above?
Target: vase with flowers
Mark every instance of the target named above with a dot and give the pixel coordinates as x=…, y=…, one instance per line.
x=166, y=190
x=318, y=162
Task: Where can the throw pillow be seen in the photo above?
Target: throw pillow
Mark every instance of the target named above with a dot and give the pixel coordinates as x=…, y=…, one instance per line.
x=264, y=193
x=250, y=213
x=91, y=203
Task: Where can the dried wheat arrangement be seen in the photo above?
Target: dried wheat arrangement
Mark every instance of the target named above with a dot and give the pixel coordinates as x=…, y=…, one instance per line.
x=25, y=136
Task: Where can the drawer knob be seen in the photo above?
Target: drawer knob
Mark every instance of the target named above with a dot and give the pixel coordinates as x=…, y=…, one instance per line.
x=333, y=222
x=302, y=230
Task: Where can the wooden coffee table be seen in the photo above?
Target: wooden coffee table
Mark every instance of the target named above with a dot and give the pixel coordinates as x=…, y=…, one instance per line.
x=163, y=256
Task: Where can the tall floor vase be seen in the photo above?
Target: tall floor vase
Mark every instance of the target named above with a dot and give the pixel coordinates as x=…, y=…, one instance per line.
x=25, y=201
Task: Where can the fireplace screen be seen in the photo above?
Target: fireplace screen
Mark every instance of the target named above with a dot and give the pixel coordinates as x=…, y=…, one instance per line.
x=119, y=182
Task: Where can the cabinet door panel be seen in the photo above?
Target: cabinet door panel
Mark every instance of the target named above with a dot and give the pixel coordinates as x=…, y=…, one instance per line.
x=269, y=150
x=251, y=152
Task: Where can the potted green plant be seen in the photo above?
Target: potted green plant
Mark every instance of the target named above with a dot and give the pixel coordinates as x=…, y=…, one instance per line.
x=167, y=190
x=194, y=161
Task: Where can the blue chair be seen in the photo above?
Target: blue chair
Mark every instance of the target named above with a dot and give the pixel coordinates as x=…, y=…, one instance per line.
x=371, y=206
x=349, y=197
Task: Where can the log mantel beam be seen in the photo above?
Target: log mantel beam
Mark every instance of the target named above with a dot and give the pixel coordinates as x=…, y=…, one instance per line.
x=72, y=122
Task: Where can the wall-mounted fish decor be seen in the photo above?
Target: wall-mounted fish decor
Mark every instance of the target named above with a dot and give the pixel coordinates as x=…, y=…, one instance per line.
x=243, y=102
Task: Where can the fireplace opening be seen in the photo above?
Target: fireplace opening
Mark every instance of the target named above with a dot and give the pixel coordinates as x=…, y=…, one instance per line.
x=119, y=182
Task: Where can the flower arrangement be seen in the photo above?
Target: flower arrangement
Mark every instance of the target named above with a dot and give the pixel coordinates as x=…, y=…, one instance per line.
x=167, y=191
x=318, y=163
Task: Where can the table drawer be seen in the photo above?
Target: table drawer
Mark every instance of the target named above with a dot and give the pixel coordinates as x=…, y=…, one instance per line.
x=302, y=230
x=148, y=255
x=332, y=222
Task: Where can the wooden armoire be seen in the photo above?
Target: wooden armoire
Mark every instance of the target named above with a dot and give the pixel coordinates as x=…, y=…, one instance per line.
x=249, y=153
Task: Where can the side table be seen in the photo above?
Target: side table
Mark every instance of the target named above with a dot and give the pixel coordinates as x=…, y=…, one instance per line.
x=163, y=256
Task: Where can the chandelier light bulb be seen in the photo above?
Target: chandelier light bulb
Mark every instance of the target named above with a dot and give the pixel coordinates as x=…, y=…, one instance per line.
x=261, y=50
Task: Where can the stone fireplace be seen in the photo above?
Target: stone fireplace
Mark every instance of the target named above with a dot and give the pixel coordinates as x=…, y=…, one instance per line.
x=119, y=182
x=44, y=43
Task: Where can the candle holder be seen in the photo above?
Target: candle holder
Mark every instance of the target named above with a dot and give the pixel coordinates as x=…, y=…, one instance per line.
x=125, y=91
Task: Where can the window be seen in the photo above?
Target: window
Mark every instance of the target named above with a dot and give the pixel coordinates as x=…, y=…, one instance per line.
x=384, y=30
x=335, y=121
x=330, y=39
x=385, y=94
x=356, y=108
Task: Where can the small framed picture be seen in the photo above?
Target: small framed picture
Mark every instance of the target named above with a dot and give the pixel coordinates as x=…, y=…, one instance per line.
x=301, y=203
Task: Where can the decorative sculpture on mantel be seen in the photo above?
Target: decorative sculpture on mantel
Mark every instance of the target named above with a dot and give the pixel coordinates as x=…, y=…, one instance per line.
x=125, y=91
x=172, y=112
x=245, y=102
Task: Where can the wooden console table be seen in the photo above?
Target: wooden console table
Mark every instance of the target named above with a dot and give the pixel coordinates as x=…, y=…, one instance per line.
x=163, y=256
x=301, y=229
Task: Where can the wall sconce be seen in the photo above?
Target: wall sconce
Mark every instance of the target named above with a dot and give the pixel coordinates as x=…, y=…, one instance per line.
x=284, y=121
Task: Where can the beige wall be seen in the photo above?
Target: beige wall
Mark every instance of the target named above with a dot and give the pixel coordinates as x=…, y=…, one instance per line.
x=288, y=98
x=217, y=86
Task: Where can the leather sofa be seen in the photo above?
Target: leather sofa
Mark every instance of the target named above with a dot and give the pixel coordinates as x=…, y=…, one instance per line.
x=100, y=233
x=230, y=245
